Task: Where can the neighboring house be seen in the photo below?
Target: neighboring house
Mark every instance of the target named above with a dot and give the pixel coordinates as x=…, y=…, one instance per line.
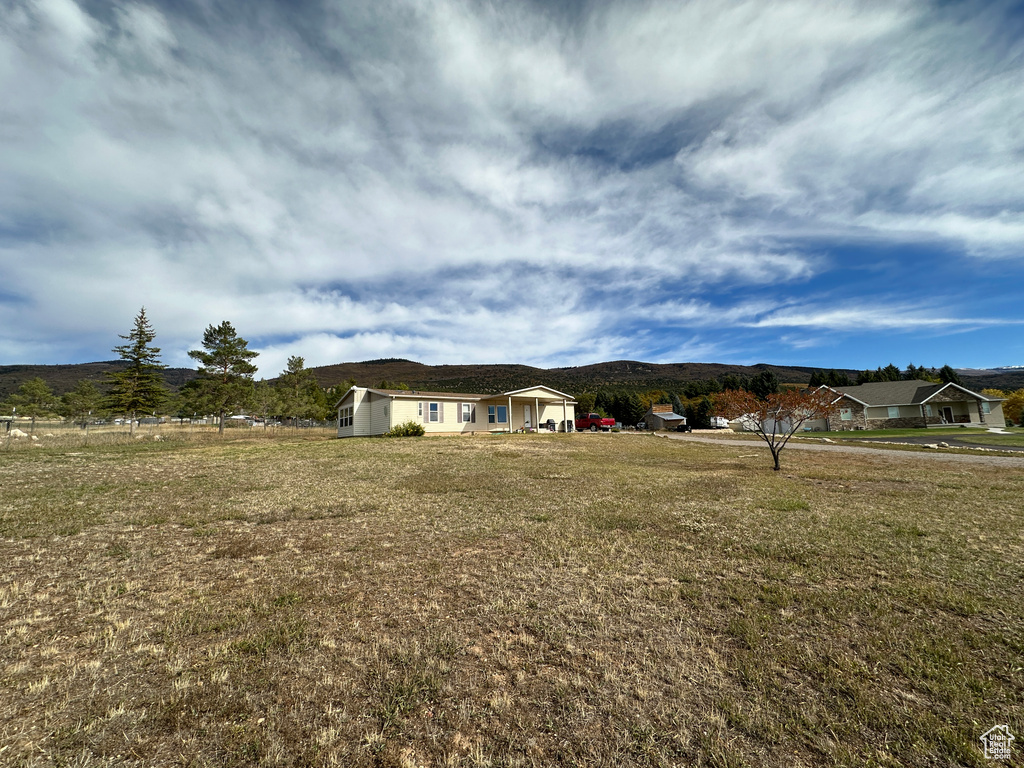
x=366, y=411
x=662, y=417
x=901, y=404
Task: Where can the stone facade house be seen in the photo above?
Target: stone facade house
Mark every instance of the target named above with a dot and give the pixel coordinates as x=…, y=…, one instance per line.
x=903, y=404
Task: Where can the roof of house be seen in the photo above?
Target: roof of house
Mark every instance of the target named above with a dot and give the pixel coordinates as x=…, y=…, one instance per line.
x=439, y=395
x=913, y=392
x=420, y=395
x=669, y=416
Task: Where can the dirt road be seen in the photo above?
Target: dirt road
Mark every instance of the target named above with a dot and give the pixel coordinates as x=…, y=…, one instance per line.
x=890, y=455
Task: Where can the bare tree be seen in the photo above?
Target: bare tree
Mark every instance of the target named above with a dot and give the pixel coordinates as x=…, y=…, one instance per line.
x=776, y=417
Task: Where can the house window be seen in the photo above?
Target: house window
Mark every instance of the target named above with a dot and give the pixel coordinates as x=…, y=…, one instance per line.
x=846, y=414
x=502, y=414
x=491, y=417
x=467, y=412
x=894, y=411
x=433, y=409
x=986, y=408
x=928, y=411
x=419, y=410
x=345, y=417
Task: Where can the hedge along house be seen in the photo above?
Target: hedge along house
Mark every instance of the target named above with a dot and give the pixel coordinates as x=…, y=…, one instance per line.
x=902, y=404
x=366, y=411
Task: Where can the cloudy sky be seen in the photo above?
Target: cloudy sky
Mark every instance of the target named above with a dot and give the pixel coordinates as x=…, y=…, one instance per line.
x=830, y=184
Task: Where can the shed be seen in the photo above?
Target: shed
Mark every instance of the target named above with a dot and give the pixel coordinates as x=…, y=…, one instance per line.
x=662, y=417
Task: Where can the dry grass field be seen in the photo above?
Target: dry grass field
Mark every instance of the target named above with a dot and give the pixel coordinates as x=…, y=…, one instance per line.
x=526, y=600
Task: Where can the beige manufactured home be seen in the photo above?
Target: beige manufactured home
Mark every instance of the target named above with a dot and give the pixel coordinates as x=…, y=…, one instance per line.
x=366, y=411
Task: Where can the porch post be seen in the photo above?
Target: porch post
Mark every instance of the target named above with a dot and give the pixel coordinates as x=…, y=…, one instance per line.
x=536, y=416
x=510, y=414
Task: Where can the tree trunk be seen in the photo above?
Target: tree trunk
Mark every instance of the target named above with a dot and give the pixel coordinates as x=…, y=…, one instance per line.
x=220, y=430
x=775, y=455
x=131, y=424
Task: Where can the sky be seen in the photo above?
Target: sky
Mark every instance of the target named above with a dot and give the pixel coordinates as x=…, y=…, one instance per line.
x=546, y=183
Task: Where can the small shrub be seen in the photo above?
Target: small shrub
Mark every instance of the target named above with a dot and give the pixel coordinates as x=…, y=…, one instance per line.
x=408, y=429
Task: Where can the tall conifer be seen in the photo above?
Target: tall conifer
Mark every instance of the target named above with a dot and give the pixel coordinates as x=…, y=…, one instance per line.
x=139, y=387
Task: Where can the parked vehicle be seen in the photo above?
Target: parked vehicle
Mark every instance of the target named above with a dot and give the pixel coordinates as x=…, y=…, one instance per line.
x=684, y=427
x=718, y=422
x=593, y=422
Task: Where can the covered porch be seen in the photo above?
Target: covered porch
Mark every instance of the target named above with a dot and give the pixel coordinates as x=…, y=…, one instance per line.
x=961, y=413
x=532, y=410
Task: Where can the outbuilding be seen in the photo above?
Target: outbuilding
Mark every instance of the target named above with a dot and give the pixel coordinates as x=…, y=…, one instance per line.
x=663, y=417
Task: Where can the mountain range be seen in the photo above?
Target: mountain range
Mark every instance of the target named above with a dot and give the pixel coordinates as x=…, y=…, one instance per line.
x=624, y=374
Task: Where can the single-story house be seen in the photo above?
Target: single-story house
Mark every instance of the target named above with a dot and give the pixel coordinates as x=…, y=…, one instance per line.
x=365, y=411
x=662, y=417
x=915, y=403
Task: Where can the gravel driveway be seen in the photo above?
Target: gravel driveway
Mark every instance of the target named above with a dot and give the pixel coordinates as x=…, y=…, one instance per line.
x=890, y=455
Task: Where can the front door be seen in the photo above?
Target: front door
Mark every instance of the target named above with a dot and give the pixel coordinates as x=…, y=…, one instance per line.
x=526, y=417
x=947, y=414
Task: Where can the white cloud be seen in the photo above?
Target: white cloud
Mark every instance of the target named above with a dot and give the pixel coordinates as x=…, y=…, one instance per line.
x=451, y=181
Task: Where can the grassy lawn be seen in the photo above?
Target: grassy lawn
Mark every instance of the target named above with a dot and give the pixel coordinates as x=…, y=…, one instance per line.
x=527, y=600
x=1014, y=436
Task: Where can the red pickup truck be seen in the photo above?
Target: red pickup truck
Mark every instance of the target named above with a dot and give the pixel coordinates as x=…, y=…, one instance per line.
x=593, y=422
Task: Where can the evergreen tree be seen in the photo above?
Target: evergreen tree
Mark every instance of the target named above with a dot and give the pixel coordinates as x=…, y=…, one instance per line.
x=82, y=403
x=225, y=373
x=301, y=396
x=731, y=381
x=266, y=401
x=604, y=403
x=35, y=399
x=764, y=384
x=949, y=376
x=334, y=394
x=837, y=379
x=633, y=409
x=677, y=406
x=699, y=413
x=139, y=387
x=890, y=373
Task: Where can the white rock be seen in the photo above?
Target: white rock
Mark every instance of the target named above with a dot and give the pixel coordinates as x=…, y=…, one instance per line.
x=18, y=433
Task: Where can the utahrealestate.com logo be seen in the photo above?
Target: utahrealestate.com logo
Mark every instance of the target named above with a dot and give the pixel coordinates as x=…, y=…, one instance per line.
x=996, y=741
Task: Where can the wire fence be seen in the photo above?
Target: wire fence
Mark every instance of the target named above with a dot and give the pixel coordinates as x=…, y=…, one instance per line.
x=42, y=431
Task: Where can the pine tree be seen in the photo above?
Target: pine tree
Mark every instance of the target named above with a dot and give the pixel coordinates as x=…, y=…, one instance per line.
x=139, y=387
x=764, y=384
x=225, y=373
x=949, y=376
x=82, y=403
x=301, y=396
x=34, y=398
